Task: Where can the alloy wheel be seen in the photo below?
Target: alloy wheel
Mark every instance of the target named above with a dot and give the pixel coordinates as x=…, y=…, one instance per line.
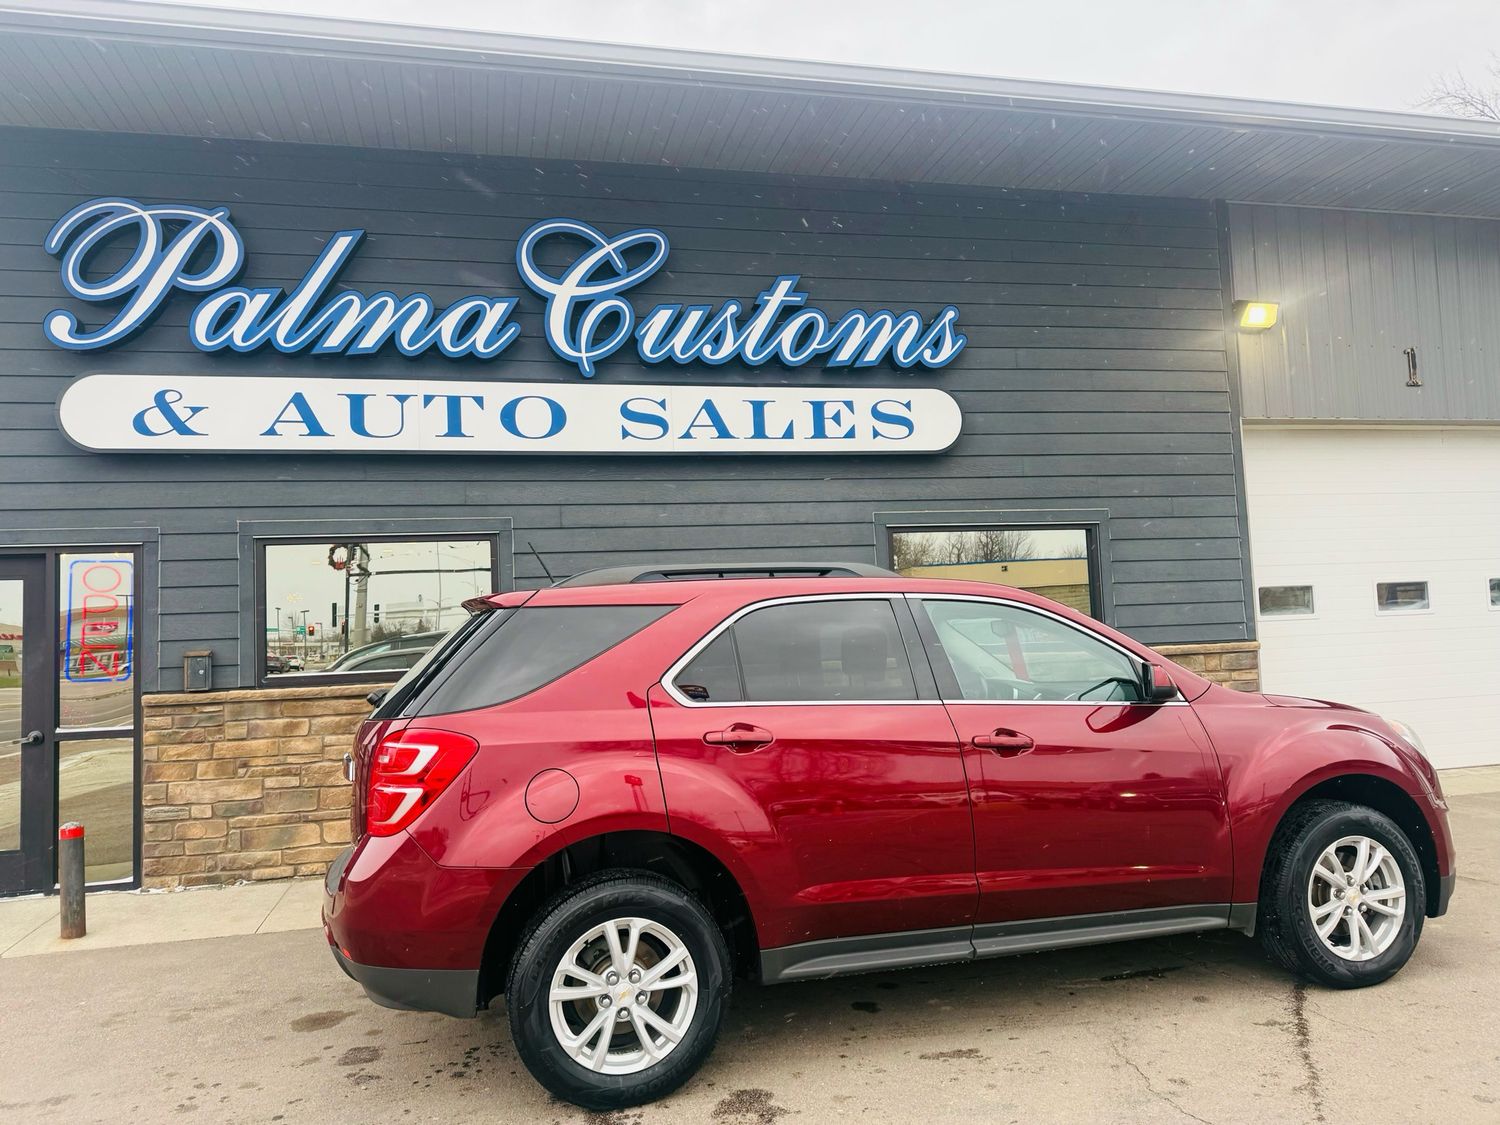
x=623, y=996
x=1356, y=898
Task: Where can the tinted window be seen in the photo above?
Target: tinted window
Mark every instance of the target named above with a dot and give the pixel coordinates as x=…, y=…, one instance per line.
x=431, y=663
x=999, y=652
x=713, y=676
x=531, y=648
x=833, y=650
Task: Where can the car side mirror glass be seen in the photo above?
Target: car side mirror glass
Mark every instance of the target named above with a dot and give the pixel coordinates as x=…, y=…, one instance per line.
x=377, y=697
x=1157, y=684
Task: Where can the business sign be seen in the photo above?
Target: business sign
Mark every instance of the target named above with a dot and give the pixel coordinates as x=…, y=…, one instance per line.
x=177, y=248
x=176, y=414
x=100, y=633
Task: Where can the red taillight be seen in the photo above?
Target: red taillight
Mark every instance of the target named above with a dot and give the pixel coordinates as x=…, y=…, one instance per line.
x=407, y=771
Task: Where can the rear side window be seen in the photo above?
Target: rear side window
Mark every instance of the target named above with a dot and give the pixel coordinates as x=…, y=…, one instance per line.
x=801, y=652
x=532, y=648
x=713, y=676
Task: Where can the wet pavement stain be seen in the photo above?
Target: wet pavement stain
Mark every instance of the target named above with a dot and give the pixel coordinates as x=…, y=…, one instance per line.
x=1147, y=974
x=359, y=1056
x=319, y=1021
x=1302, y=1034
x=960, y=1053
x=749, y=1107
x=865, y=1006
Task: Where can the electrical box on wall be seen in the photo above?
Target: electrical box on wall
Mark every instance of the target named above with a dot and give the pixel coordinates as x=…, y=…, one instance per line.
x=197, y=670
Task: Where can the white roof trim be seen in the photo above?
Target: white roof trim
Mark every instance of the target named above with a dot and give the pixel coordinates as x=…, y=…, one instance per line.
x=248, y=29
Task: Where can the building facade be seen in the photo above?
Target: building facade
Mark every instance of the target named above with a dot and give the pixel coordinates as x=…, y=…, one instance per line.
x=282, y=393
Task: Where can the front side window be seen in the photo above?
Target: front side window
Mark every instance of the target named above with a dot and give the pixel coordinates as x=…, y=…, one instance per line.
x=841, y=650
x=366, y=607
x=1052, y=561
x=1004, y=653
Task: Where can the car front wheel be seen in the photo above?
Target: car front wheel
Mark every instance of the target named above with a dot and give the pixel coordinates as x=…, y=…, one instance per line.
x=618, y=990
x=1343, y=896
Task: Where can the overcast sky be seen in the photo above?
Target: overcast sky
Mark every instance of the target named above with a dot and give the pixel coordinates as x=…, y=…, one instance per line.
x=1378, y=54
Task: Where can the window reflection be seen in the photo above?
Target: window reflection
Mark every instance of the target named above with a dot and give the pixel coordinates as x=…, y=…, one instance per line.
x=1052, y=562
x=96, y=787
x=366, y=607
x=11, y=615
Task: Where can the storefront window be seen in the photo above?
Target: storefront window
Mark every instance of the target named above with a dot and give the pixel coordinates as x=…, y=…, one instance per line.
x=366, y=607
x=1051, y=561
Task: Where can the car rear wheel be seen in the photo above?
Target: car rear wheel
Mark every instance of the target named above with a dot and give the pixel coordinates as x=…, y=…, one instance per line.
x=618, y=990
x=1343, y=895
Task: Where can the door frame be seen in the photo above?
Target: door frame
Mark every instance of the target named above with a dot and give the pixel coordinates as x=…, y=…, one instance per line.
x=47, y=546
x=24, y=870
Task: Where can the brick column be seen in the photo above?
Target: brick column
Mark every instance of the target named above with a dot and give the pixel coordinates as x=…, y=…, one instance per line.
x=245, y=784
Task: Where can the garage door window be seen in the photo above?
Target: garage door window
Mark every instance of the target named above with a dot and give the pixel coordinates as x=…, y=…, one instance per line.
x=1286, y=601
x=1401, y=597
x=1495, y=593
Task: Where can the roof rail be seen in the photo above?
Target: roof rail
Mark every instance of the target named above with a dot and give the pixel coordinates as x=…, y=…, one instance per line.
x=688, y=572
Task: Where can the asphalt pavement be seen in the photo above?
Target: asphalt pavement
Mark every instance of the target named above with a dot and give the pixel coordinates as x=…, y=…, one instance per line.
x=264, y=1028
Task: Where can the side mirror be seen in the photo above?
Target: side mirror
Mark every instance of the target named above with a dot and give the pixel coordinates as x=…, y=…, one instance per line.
x=1157, y=684
x=377, y=697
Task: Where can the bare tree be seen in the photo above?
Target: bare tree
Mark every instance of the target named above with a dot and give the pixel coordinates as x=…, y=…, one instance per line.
x=1456, y=96
x=910, y=550
x=996, y=544
x=947, y=548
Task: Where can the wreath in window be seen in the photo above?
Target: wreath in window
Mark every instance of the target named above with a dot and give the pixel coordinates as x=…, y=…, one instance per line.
x=351, y=557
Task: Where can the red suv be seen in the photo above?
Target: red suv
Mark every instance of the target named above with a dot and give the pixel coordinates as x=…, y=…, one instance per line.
x=608, y=798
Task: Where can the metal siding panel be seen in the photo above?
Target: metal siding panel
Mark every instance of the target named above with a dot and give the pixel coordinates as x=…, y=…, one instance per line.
x=1356, y=289
x=1096, y=375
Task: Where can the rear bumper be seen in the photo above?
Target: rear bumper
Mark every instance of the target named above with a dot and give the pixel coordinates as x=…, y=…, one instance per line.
x=409, y=930
x=453, y=992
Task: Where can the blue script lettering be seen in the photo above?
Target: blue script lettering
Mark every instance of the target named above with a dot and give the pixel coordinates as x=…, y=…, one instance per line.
x=156, y=266
x=587, y=316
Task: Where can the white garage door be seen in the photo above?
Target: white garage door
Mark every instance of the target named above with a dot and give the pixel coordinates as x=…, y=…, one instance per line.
x=1397, y=533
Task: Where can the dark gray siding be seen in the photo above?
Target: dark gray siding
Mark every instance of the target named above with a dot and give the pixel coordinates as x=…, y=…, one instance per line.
x=1095, y=374
x=1357, y=289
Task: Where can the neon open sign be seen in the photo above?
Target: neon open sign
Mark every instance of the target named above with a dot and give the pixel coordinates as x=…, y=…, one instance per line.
x=100, y=619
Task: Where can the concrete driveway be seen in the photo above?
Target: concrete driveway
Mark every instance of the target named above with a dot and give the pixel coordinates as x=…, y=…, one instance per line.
x=264, y=1028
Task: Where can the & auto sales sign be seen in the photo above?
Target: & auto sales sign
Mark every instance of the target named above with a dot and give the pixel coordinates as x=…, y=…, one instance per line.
x=587, y=317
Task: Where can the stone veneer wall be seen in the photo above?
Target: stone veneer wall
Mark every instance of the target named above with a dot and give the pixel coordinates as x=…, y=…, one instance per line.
x=1234, y=664
x=245, y=784
x=250, y=784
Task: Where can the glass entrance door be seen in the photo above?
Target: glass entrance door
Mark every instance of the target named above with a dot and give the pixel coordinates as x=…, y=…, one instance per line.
x=27, y=734
x=68, y=704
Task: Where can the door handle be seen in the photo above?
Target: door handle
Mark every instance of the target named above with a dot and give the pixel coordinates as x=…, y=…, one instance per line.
x=739, y=737
x=33, y=738
x=1004, y=741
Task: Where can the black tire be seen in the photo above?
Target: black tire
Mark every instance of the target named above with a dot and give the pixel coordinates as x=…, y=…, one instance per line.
x=1284, y=921
x=561, y=922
